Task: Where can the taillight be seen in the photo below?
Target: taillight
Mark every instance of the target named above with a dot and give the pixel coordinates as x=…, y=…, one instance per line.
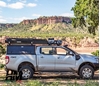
x=7, y=59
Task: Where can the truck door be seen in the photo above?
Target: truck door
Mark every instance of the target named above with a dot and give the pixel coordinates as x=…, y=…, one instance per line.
x=64, y=61
x=46, y=59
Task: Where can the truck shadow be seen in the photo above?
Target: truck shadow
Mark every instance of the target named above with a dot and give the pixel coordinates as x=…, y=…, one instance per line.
x=60, y=76
x=56, y=76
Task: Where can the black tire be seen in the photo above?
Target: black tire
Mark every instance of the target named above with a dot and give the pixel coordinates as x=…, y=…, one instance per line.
x=26, y=72
x=86, y=72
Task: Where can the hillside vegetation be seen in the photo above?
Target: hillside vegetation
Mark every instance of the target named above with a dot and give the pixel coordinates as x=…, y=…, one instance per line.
x=44, y=30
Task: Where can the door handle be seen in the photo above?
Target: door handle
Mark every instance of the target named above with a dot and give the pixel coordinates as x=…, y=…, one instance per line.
x=42, y=57
x=58, y=57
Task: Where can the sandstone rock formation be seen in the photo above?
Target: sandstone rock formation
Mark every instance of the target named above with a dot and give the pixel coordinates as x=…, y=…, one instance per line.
x=88, y=42
x=47, y=20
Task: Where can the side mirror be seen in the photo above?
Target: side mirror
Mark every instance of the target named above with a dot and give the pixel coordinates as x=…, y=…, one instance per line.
x=70, y=53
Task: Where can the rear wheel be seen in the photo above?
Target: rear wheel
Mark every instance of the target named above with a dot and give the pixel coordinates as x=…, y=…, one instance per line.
x=86, y=72
x=26, y=72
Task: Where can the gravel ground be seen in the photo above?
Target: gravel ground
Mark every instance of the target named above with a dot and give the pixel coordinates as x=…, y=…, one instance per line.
x=63, y=78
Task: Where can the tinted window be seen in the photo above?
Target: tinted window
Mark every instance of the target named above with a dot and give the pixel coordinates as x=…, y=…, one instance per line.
x=20, y=49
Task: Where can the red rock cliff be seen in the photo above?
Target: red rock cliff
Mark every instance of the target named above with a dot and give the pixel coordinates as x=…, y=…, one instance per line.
x=47, y=20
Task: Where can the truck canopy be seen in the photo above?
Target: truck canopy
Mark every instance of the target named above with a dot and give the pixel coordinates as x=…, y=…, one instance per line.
x=20, y=49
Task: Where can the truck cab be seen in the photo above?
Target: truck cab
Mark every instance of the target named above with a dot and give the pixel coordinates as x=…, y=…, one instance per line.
x=55, y=58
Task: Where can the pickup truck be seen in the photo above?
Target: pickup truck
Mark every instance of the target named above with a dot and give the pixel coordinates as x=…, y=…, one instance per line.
x=27, y=59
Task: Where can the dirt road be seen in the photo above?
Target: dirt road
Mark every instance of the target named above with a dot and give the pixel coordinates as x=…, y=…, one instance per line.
x=63, y=78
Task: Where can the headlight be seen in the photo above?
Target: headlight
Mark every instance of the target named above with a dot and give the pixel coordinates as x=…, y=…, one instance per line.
x=97, y=60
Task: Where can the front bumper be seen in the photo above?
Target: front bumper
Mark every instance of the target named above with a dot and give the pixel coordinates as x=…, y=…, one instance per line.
x=96, y=66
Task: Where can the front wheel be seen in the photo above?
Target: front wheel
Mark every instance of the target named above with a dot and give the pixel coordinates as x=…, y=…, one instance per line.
x=26, y=72
x=86, y=72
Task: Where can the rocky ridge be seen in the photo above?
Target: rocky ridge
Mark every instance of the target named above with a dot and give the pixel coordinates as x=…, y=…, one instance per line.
x=47, y=20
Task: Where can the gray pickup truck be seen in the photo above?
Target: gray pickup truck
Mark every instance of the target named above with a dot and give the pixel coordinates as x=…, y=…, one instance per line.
x=27, y=59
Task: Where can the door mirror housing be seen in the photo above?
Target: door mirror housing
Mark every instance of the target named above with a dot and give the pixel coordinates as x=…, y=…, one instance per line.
x=70, y=53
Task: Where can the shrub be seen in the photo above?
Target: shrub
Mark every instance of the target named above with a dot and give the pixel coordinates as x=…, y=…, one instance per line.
x=96, y=53
x=2, y=50
x=2, y=66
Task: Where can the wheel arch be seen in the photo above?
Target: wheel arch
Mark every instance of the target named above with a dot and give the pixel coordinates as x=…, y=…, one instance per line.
x=85, y=63
x=26, y=63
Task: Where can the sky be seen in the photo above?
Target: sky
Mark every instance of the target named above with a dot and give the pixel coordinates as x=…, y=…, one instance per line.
x=15, y=11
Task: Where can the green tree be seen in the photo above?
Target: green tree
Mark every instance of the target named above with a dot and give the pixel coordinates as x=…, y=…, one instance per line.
x=86, y=14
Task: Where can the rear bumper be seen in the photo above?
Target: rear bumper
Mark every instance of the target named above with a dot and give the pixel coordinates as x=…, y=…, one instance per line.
x=6, y=69
x=96, y=66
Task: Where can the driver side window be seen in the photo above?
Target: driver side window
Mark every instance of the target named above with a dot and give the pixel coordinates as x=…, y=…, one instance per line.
x=61, y=51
